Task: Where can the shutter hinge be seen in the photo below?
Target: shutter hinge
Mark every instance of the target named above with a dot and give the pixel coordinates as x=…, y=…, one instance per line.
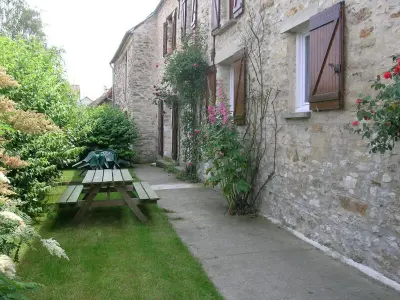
x=336, y=68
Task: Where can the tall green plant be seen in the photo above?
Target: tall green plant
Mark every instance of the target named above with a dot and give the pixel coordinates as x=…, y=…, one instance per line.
x=184, y=85
x=43, y=88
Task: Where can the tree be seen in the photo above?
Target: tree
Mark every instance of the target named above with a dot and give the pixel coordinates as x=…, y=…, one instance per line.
x=17, y=18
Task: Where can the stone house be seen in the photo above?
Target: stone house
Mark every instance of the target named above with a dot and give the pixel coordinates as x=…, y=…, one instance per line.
x=328, y=187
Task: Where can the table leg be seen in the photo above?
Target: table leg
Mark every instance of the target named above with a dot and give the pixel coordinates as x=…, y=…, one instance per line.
x=131, y=203
x=91, y=194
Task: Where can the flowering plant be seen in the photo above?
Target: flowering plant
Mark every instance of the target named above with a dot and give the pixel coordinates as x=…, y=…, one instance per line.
x=378, y=117
x=183, y=88
x=223, y=149
x=15, y=226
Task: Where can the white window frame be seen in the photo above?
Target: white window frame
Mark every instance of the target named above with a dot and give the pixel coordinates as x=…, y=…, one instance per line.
x=301, y=104
x=232, y=90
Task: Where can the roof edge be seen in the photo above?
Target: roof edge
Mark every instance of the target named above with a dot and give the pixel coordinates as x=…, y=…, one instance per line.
x=130, y=32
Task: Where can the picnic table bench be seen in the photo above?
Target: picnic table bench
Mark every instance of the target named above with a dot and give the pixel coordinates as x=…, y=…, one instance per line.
x=98, y=181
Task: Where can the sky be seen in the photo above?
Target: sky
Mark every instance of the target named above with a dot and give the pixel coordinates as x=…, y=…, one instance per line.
x=90, y=32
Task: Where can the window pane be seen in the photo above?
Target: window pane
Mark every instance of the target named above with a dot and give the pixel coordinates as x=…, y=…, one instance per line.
x=307, y=69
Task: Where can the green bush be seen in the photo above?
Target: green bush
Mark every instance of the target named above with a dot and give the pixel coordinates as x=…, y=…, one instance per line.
x=43, y=88
x=111, y=129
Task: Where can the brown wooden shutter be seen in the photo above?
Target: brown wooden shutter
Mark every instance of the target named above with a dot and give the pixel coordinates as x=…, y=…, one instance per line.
x=239, y=110
x=211, y=87
x=326, y=58
x=238, y=8
x=183, y=17
x=215, y=14
x=165, y=38
x=193, y=22
x=174, y=15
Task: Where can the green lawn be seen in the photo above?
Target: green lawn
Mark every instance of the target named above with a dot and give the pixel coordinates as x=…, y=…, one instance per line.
x=114, y=256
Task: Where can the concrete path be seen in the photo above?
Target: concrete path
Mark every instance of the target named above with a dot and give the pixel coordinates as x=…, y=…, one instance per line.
x=250, y=258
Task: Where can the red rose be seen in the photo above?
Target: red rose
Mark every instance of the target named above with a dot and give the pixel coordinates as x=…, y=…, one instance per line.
x=157, y=94
x=195, y=65
x=355, y=123
x=358, y=101
x=156, y=65
x=398, y=61
x=190, y=164
x=397, y=70
x=387, y=124
x=196, y=131
x=365, y=118
x=387, y=75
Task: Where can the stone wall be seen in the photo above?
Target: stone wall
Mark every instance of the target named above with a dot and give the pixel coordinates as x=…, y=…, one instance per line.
x=135, y=69
x=327, y=186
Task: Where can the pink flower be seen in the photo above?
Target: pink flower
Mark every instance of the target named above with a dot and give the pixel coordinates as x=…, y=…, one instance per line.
x=358, y=101
x=190, y=164
x=169, y=49
x=196, y=131
x=224, y=112
x=397, y=70
x=195, y=65
x=212, y=118
x=355, y=123
x=387, y=75
x=156, y=66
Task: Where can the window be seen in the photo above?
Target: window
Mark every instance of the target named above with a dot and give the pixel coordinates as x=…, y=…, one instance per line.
x=169, y=38
x=303, y=71
x=183, y=17
x=222, y=11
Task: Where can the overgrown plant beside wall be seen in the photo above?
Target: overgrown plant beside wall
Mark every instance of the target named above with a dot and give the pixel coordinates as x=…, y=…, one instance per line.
x=184, y=85
x=378, y=116
x=225, y=154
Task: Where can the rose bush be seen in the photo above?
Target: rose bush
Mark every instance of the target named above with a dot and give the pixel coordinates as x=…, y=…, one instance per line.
x=378, y=116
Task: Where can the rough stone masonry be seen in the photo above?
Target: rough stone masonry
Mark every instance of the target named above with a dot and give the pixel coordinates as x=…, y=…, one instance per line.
x=327, y=186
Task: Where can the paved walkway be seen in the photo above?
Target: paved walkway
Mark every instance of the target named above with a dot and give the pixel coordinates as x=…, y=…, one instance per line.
x=250, y=258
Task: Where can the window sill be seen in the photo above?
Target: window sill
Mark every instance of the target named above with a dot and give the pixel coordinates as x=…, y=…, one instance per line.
x=224, y=27
x=297, y=115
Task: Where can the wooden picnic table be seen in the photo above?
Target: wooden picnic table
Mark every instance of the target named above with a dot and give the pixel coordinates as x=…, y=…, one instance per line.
x=120, y=181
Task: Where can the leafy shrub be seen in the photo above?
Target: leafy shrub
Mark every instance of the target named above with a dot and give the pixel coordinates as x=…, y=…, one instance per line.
x=42, y=88
x=111, y=129
x=15, y=226
x=223, y=150
x=378, y=117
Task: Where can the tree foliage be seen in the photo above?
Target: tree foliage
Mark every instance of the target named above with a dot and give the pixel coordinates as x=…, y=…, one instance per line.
x=43, y=88
x=16, y=226
x=18, y=19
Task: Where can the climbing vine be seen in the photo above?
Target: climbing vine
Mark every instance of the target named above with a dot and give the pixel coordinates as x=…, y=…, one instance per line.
x=184, y=85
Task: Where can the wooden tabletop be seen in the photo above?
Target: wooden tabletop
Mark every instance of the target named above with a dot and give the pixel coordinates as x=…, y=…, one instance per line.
x=120, y=176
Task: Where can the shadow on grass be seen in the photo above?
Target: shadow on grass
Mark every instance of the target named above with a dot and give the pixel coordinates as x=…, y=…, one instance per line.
x=98, y=217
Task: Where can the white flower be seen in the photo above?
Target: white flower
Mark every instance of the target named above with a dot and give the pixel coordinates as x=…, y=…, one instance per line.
x=7, y=266
x=3, y=178
x=54, y=248
x=12, y=216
